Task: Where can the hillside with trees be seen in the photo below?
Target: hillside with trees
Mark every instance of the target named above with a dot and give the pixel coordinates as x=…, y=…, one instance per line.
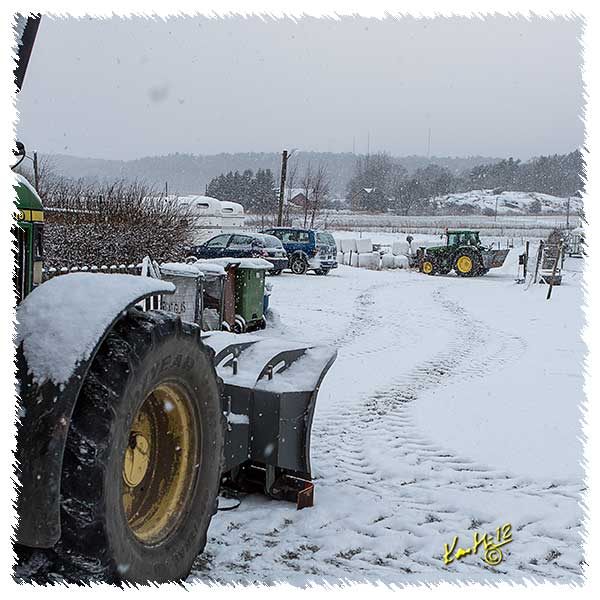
x=190, y=174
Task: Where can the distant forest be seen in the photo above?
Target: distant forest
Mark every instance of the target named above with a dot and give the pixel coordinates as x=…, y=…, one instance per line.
x=191, y=174
x=374, y=183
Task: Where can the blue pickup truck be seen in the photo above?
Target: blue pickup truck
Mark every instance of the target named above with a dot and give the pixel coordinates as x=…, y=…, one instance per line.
x=307, y=249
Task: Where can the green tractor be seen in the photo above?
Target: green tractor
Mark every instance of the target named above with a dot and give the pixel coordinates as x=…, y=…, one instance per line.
x=463, y=252
x=131, y=419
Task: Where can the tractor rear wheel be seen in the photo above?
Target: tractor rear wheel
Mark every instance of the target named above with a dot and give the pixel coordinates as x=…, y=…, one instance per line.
x=142, y=464
x=467, y=263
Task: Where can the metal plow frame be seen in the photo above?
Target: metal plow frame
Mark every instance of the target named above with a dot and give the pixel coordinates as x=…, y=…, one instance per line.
x=493, y=259
x=268, y=413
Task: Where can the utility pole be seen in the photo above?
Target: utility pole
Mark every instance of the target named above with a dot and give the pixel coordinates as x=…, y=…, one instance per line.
x=496, y=213
x=36, y=174
x=166, y=189
x=284, y=158
x=568, y=210
x=428, y=143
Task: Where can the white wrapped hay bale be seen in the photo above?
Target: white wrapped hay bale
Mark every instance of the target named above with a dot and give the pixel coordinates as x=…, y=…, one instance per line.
x=400, y=248
x=348, y=245
x=428, y=243
x=401, y=262
x=388, y=262
x=369, y=260
x=338, y=244
x=340, y=258
x=354, y=259
x=364, y=246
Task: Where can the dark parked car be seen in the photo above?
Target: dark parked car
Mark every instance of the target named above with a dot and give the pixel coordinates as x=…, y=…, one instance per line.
x=244, y=245
x=307, y=249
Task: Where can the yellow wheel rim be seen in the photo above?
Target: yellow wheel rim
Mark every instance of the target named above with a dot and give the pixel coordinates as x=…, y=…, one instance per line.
x=464, y=264
x=427, y=267
x=159, y=466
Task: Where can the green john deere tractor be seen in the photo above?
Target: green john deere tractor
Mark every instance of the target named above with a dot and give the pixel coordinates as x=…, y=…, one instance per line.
x=130, y=418
x=463, y=252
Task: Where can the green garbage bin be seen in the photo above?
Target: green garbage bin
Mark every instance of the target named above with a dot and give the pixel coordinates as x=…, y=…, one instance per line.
x=249, y=298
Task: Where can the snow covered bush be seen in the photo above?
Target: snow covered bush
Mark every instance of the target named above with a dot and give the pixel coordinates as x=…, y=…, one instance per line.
x=112, y=223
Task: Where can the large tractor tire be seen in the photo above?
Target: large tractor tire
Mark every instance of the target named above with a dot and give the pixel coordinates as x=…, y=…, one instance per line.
x=143, y=460
x=468, y=263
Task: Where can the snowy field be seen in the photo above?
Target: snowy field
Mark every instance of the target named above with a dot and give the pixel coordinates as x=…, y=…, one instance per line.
x=501, y=227
x=453, y=407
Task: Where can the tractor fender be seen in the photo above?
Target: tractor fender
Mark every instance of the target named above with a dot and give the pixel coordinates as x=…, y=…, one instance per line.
x=61, y=326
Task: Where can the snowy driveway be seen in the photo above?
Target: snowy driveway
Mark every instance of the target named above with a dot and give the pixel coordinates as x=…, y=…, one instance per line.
x=452, y=408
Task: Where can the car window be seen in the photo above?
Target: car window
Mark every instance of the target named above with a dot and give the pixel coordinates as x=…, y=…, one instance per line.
x=271, y=241
x=218, y=242
x=325, y=238
x=240, y=240
x=289, y=236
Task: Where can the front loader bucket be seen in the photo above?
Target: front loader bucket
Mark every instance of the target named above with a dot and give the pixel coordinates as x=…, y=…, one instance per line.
x=269, y=394
x=493, y=259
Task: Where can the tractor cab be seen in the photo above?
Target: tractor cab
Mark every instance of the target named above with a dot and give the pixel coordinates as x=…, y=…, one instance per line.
x=28, y=234
x=463, y=238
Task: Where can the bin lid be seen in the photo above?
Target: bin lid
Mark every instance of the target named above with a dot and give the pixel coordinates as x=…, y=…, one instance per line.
x=181, y=269
x=260, y=264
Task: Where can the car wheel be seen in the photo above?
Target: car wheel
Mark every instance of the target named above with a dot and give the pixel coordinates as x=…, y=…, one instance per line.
x=299, y=265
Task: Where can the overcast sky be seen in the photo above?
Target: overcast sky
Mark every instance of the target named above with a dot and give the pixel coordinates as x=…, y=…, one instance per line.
x=127, y=88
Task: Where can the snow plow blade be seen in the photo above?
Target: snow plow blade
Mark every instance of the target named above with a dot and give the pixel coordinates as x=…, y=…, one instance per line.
x=493, y=259
x=269, y=394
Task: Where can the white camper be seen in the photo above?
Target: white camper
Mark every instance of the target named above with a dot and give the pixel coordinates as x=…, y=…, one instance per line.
x=212, y=216
x=232, y=215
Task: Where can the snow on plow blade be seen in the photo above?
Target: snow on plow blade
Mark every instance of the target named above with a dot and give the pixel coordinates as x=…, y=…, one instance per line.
x=269, y=396
x=493, y=259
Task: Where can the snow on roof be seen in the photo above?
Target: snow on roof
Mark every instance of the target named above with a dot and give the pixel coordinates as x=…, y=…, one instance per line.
x=61, y=321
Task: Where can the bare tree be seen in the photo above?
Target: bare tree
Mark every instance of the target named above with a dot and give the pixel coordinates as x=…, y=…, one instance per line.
x=291, y=178
x=307, y=182
x=320, y=185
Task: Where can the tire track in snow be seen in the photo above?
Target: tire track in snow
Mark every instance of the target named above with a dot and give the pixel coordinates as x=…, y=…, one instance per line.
x=382, y=416
x=413, y=495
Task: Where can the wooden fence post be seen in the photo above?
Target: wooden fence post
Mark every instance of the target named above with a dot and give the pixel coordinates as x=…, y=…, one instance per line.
x=556, y=260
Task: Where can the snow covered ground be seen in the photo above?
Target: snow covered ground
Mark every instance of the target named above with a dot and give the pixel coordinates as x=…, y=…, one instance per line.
x=510, y=202
x=452, y=408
